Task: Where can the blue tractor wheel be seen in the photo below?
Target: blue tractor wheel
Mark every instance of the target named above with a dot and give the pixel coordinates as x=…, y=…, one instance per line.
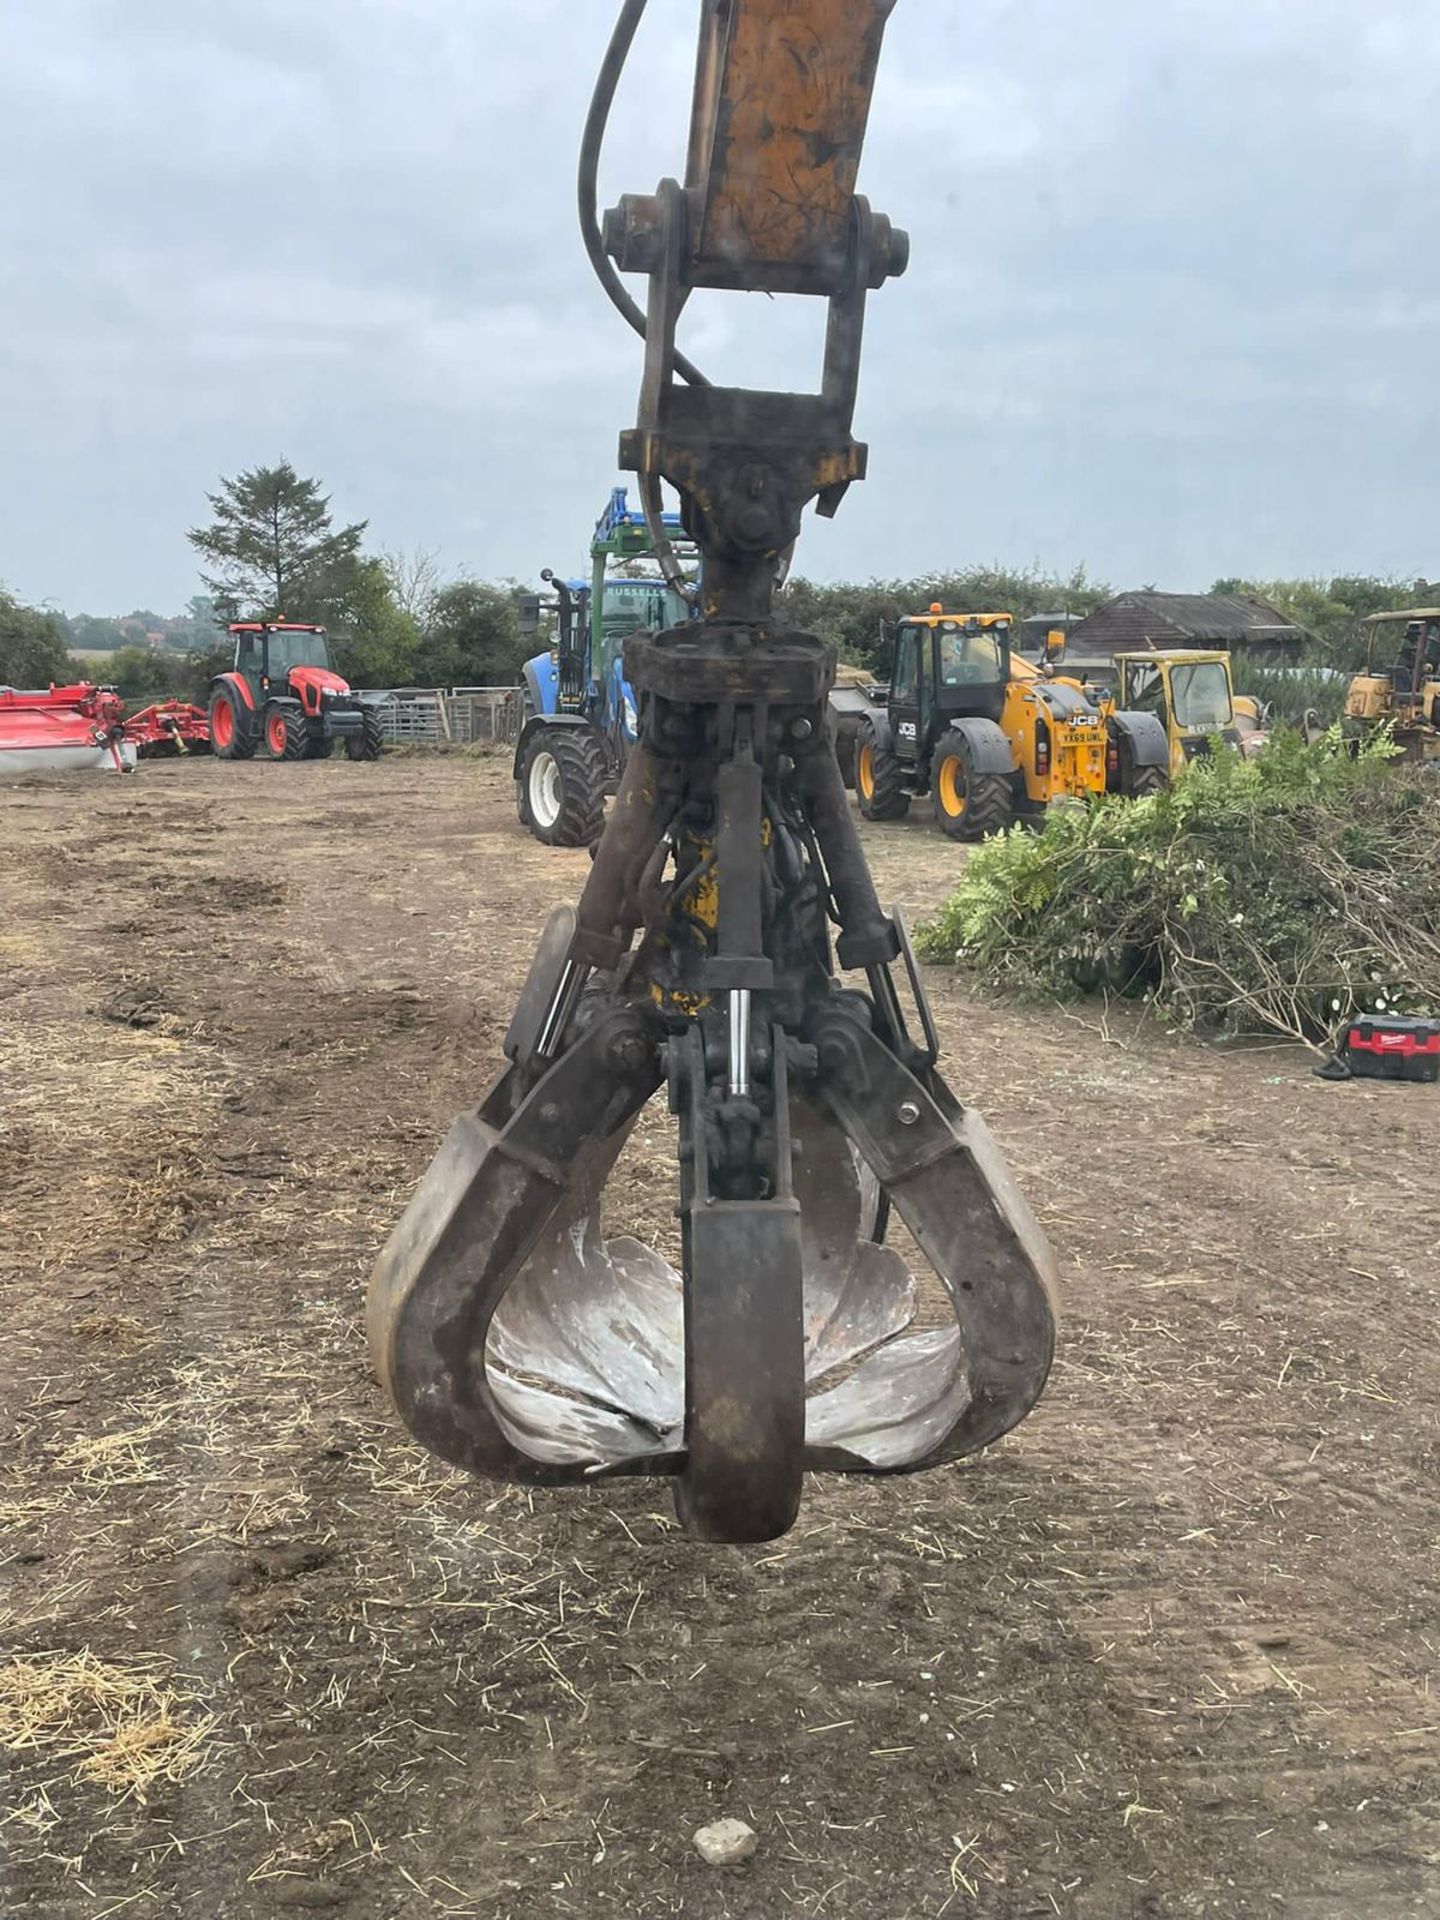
x=562, y=786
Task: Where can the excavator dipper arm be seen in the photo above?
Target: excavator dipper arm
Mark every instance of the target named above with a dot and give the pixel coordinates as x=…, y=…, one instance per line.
x=709, y=952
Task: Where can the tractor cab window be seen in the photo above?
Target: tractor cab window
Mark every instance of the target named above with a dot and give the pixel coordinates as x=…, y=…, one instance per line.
x=249, y=657
x=1145, y=690
x=1201, y=693
x=631, y=606
x=635, y=606
x=676, y=608
x=295, y=649
x=905, y=681
x=970, y=656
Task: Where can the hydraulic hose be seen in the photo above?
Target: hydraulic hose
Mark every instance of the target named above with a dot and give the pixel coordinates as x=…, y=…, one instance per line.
x=652, y=506
x=591, y=141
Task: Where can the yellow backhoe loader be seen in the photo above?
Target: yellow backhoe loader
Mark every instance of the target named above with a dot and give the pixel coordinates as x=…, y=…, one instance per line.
x=1401, y=682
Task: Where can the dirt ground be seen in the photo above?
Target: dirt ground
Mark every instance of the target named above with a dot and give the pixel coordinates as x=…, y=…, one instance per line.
x=1169, y=1650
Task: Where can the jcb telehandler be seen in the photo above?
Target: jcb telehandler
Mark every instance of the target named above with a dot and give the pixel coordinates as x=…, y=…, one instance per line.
x=990, y=736
x=283, y=691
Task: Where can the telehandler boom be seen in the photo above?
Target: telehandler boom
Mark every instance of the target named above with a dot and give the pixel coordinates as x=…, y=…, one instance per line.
x=514, y=1339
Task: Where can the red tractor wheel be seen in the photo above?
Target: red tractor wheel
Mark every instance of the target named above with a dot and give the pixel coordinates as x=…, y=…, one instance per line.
x=286, y=735
x=232, y=734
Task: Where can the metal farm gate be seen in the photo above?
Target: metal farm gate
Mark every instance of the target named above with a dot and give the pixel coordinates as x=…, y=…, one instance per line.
x=466, y=716
x=485, y=713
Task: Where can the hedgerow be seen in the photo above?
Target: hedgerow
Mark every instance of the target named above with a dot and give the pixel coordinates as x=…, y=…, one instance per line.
x=1280, y=894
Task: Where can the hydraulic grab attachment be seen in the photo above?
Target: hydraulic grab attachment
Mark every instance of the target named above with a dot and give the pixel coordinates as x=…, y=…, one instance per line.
x=728, y=946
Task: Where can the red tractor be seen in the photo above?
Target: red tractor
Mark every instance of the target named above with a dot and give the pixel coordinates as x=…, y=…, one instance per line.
x=284, y=691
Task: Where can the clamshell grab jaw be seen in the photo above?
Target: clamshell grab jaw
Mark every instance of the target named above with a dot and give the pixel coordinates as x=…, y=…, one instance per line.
x=519, y=1343
x=480, y=1214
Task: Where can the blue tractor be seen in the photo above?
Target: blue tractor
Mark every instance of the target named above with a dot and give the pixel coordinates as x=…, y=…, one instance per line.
x=579, y=710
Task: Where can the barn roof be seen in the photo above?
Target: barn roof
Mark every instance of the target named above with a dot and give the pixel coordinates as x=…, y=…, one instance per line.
x=1137, y=620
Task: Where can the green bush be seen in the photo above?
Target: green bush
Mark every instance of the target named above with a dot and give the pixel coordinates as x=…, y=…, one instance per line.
x=858, y=617
x=1280, y=894
x=32, y=646
x=1292, y=693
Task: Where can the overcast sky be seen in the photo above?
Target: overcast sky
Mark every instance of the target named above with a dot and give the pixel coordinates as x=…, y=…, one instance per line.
x=1172, y=308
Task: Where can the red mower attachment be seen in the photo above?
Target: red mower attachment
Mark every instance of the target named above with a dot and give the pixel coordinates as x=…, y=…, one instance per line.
x=60, y=728
x=85, y=726
x=169, y=727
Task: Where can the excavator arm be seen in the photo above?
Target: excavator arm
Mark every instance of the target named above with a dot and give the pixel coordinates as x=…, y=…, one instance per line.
x=782, y=94
x=728, y=945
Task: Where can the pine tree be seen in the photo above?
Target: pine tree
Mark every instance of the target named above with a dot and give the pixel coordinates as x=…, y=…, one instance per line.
x=273, y=550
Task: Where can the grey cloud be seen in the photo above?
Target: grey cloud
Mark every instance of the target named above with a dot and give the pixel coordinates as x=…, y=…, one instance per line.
x=1170, y=310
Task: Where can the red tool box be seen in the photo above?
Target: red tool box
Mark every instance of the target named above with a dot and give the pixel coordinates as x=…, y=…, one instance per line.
x=1386, y=1047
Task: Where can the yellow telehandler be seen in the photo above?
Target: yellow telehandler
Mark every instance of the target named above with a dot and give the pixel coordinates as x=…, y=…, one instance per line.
x=990, y=736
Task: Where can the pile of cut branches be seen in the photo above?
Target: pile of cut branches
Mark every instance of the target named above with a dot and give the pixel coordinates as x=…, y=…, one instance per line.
x=1277, y=895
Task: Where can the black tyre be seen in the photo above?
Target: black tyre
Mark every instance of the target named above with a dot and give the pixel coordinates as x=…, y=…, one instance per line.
x=968, y=804
x=286, y=735
x=320, y=748
x=369, y=744
x=232, y=726
x=1141, y=782
x=562, y=786
x=1124, y=777
x=880, y=779
x=847, y=735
